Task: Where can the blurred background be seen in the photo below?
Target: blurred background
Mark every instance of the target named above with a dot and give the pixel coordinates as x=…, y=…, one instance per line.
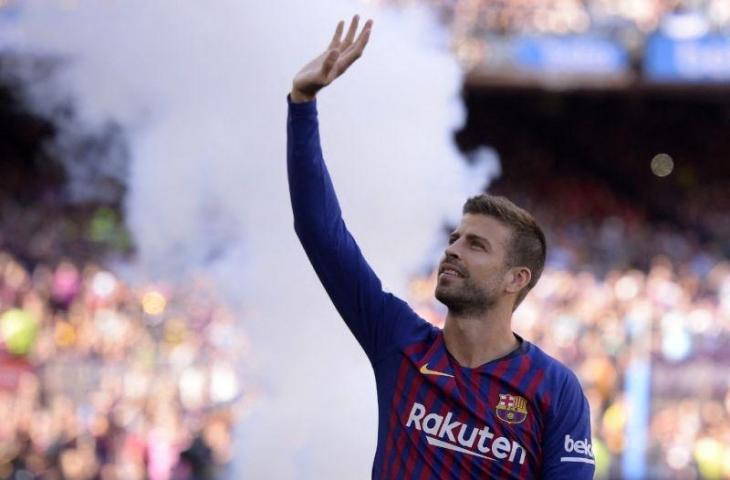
x=158, y=318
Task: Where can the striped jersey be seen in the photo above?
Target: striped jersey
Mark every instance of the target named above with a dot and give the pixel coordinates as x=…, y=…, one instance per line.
x=520, y=416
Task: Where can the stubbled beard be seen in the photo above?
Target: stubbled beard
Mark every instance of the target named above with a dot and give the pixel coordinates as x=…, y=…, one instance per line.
x=468, y=299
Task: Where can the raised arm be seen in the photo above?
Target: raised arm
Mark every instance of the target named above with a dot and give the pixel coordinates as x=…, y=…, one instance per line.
x=377, y=319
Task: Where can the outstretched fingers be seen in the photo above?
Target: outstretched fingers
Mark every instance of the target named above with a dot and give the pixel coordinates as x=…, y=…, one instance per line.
x=350, y=37
x=354, y=51
x=331, y=63
x=337, y=37
x=364, y=36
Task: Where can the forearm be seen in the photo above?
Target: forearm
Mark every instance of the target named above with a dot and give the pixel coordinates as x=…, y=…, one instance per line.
x=349, y=281
x=352, y=286
x=314, y=202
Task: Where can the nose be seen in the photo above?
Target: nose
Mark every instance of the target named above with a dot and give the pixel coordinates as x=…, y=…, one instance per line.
x=452, y=250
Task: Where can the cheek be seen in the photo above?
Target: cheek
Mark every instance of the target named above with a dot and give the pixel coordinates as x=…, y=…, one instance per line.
x=497, y=273
x=488, y=273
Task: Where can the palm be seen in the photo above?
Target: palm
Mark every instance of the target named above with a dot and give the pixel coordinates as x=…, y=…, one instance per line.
x=338, y=57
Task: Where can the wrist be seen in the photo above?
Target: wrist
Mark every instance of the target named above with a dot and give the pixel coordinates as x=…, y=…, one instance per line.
x=298, y=96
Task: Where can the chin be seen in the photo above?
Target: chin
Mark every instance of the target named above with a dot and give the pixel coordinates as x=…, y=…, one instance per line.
x=447, y=296
x=460, y=300
x=448, y=285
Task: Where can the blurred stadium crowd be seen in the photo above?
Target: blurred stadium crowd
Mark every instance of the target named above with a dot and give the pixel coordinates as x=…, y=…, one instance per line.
x=617, y=287
x=472, y=17
x=101, y=379
x=483, y=31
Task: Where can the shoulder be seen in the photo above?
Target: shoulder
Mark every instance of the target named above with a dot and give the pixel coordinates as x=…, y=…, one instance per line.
x=559, y=382
x=400, y=327
x=555, y=370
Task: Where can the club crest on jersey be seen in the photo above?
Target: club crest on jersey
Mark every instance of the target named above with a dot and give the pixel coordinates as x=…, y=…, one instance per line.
x=511, y=408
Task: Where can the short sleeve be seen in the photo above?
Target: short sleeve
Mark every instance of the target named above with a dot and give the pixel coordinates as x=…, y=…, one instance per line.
x=567, y=447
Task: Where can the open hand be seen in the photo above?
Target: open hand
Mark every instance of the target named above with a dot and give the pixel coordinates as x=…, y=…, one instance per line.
x=338, y=57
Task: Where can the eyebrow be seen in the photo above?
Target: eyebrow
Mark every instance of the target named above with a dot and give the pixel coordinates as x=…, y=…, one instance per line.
x=472, y=236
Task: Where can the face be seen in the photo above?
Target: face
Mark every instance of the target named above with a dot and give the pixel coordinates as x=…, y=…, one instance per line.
x=473, y=272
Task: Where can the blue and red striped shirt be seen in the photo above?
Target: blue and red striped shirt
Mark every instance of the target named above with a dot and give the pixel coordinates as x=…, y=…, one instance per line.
x=520, y=416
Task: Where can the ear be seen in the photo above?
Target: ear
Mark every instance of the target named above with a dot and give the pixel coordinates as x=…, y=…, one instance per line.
x=517, y=279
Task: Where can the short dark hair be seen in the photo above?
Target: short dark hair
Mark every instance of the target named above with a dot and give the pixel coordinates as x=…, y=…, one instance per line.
x=527, y=246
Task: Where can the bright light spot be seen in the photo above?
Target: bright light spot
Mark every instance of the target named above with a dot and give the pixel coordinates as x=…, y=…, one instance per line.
x=103, y=284
x=564, y=331
x=708, y=453
x=662, y=165
x=626, y=288
x=526, y=316
x=153, y=303
x=223, y=383
x=678, y=457
x=676, y=342
x=700, y=320
x=192, y=387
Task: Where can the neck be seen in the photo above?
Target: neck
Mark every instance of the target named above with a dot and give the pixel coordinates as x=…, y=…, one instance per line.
x=475, y=339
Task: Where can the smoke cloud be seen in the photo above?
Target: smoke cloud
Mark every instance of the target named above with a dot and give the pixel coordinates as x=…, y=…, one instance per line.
x=198, y=89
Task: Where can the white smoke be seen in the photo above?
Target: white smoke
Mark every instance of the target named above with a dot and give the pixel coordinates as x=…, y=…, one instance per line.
x=199, y=88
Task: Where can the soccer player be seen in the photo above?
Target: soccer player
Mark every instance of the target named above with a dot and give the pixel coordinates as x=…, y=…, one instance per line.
x=473, y=400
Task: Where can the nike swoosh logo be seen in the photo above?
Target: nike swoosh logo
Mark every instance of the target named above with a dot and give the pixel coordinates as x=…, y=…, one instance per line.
x=426, y=371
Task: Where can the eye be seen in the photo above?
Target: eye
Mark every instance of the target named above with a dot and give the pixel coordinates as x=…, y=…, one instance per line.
x=478, y=245
x=453, y=238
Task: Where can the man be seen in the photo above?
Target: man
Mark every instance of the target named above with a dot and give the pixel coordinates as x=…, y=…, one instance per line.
x=473, y=400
